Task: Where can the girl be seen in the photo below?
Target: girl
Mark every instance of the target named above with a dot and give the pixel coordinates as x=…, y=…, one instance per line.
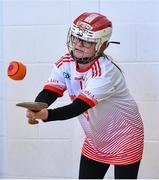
x=100, y=98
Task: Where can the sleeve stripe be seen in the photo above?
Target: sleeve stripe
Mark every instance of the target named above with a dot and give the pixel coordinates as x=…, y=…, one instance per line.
x=87, y=100
x=55, y=89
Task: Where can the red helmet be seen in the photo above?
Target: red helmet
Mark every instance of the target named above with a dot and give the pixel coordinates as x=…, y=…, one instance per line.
x=91, y=27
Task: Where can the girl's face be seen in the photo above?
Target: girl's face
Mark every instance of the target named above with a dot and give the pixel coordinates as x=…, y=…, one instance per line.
x=82, y=48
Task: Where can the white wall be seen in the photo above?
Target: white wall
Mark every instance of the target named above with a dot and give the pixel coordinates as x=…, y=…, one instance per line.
x=35, y=33
x=1, y=98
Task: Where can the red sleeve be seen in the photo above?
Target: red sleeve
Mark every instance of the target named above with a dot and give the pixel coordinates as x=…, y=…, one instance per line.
x=56, y=89
x=89, y=101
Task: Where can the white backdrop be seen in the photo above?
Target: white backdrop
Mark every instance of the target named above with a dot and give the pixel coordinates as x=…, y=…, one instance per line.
x=34, y=32
x=2, y=129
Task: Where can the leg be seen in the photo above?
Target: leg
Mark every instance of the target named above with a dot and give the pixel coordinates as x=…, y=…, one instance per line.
x=90, y=169
x=129, y=171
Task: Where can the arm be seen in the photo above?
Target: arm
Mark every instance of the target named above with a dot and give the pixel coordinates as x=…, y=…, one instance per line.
x=47, y=96
x=74, y=109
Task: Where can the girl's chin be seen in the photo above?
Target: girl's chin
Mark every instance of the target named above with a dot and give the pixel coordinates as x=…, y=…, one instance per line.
x=78, y=55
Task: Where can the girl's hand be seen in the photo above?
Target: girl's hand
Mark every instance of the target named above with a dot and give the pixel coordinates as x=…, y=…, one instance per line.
x=43, y=114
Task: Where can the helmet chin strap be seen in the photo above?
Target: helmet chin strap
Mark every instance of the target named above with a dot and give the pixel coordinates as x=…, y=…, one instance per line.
x=84, y=60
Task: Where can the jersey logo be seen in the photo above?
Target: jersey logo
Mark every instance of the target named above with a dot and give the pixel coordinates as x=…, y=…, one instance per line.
x=72, y=97
x=67, y=75
x=79, y=78
x=51, y=80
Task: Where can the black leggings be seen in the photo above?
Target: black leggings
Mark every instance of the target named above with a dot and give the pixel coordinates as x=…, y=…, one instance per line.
x=90, y=169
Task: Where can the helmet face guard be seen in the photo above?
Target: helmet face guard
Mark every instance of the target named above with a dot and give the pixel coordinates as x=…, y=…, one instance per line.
x=90, y=27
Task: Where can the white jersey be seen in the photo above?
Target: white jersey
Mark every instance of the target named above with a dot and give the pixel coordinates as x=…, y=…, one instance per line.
x=113, y=126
